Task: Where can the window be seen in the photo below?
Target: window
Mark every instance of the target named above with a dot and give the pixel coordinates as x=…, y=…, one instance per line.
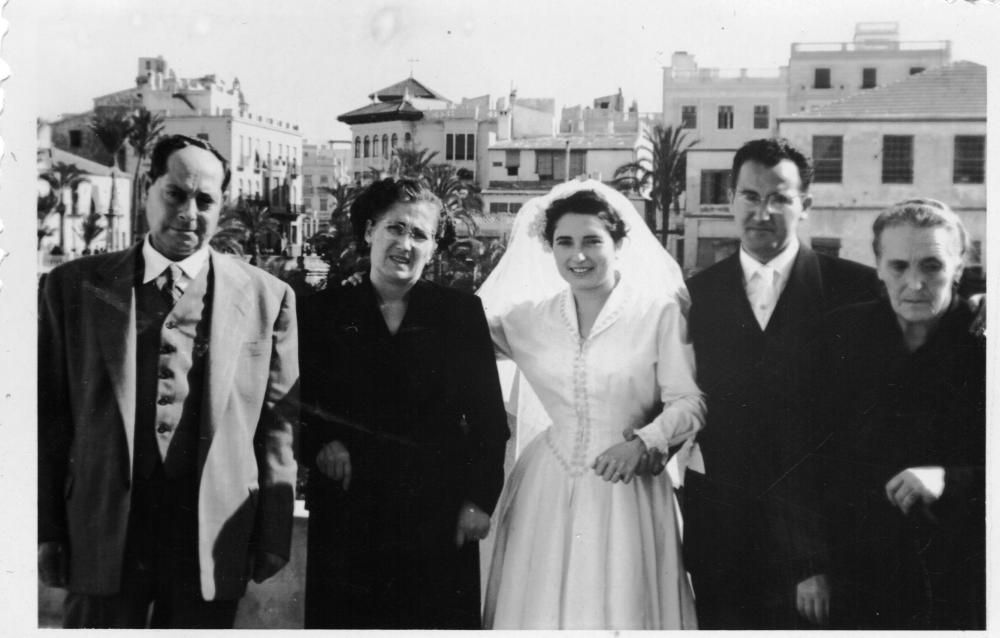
x=868, y=78
x=916, y=69
x=407, y=138
x=385, y=146
x=821, y=79
x=725, y=117
x=357, y=148
x=323, y=203
x=512, y=160
x=395, y=140
x=761, y=116
x=324, y=179
x=715, y=187
x=826, y=246
x=828, y=158
x=505, y=207
x=970, y=159
x=689, y=116
x=307, y=181
x=368, y=147
x=897, y=159
x=552, y=164
x=376, y=147
x=459, y=146
x=75, y=138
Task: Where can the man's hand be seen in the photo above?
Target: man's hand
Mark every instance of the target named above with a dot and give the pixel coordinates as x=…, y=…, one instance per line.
x=618, y=462
x=923, y=484
x=334, y=461
x=265, y=565
x=652, y=462
x=473, y=524
x=812, y=598
x=53, y=563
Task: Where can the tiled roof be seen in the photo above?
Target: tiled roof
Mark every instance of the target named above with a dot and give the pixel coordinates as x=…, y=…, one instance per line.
x=625, y=141
x=954, y=90
x=381, y=112
x=396, y=92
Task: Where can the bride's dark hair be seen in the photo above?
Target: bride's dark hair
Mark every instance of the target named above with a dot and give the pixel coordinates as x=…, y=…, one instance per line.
x=585, y=202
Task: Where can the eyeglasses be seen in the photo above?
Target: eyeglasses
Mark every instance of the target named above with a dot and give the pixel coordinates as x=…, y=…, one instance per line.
x=399, y=230
x=775, y=200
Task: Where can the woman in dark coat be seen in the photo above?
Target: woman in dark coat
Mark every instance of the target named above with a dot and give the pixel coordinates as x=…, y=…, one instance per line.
x=404, y=431
x=908, y=456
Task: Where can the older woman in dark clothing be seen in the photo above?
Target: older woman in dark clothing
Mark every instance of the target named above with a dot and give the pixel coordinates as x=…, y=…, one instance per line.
x=908, y=454
x=404, y=431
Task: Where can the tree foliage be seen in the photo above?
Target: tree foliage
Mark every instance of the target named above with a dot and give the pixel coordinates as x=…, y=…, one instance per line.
x=112, y=128
x=144, y=130
x=660, y=177
x=63, y=179
x=244, y=227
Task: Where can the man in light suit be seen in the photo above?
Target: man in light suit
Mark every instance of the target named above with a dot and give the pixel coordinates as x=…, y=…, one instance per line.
x=754, y=536
x=167, y=383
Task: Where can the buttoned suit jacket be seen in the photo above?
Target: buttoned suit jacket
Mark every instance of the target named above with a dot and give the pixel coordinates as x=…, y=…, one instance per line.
x=761, y=436
x=86, y=420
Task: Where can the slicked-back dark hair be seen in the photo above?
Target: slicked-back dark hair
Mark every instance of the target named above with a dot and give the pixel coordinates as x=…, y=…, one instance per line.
x=769, y=151
x=170, y=144
x=383, y=194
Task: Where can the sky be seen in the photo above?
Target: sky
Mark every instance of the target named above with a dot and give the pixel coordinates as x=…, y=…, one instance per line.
x=308, y=61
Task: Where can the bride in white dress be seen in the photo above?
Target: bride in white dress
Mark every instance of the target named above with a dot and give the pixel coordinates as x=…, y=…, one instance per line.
x=580, y=541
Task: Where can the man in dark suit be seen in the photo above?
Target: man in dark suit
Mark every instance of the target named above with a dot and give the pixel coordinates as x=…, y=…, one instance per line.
x=754, y=536
x=167, y=381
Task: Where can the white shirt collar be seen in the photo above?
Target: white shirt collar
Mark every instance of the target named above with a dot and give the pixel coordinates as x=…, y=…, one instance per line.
x=781, y=263
x=155, y=262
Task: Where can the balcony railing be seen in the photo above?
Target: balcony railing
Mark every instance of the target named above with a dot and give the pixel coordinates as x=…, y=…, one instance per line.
x=888, y=45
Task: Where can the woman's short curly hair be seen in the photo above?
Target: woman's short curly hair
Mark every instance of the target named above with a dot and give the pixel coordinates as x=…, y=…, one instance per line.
x=383, y=194
x=584, y=202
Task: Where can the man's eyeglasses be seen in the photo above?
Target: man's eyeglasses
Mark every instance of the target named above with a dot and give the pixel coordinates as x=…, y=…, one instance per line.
x=774, y=200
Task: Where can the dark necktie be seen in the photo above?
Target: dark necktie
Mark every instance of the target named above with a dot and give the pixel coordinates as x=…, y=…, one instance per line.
x=169, y=284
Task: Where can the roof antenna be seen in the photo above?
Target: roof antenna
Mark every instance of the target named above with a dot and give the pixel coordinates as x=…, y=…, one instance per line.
x=411, y=61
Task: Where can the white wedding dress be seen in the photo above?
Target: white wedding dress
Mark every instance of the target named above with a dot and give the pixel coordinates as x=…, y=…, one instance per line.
x=571, y=550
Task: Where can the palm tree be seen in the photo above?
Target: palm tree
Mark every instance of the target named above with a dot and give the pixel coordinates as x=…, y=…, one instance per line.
x=336, y=245
x=45, y=206
x=112, y=128
x=660, y=178
x=91, y=228
x=410, y=161
x=63, y=178
x=243, y=227
x=460, y=197
x=146, y=128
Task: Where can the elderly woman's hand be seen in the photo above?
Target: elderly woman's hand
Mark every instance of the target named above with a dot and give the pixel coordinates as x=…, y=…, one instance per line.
x=924, y=484
x=473, y=524
x=353, y=280
x=619, y=462
x=334, y=461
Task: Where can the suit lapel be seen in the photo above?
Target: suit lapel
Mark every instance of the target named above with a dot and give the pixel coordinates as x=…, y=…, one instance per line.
x=117, y=334
x=230, y=297
x=803, y=295
x=733, y=288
